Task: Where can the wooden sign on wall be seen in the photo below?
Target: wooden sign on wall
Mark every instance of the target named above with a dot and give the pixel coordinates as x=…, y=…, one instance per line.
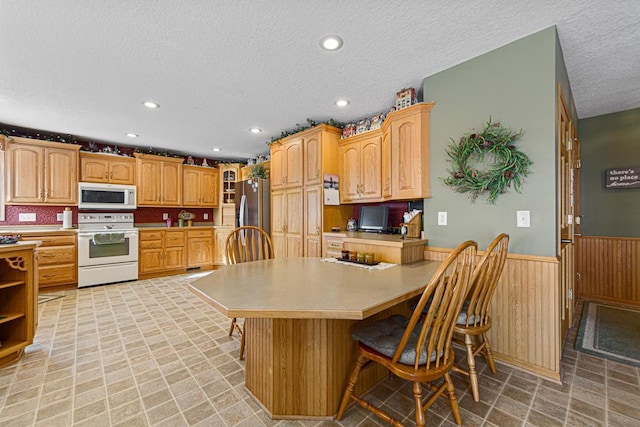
x=616, y=178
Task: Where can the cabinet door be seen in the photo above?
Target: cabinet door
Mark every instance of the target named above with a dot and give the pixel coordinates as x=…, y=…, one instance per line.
x=209, y=187
x=278, y=223
x=122, y=172
x=410, y=148
x=199, y=251
x=312, y=160
x=349, y=171
x=313, y=221
x=386, y=164
x=219, y=250
x=371, y=175
x=148, y=182
x=174, y=257
x=94, y=170
x=61, y=179
x=277, y=167
x=293, y=164
x=294, y=224
x=151, y=260
x=25, y=182
x=191, y=187
x=171, y=184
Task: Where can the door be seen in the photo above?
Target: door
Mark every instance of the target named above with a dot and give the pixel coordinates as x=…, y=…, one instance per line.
x=349, y=171
x=278, y=223
x=312, y=160
x=26, y=174
x=313, y=221
x=566, y=199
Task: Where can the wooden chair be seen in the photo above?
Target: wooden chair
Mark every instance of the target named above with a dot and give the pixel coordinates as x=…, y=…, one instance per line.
x=245, y=244
x=474, y=320
x=415, y=350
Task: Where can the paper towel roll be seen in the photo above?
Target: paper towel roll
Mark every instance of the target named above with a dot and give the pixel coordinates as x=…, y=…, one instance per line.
x=66, y=218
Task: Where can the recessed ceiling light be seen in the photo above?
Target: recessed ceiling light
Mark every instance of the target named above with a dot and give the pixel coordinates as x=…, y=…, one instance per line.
x=132, y=135
x=151, y=104
x=342, y=102
x=217, y=149
x=255, y=130
x=331, y=42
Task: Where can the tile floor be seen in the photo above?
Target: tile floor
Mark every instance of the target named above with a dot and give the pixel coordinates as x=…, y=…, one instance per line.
x=150, y=353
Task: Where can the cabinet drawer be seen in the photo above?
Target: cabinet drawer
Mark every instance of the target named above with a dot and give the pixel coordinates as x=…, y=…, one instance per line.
x=199, y=233
x=174, y=238
x=150, y=235
x=52, y=240
x=334, y=254
x=56, y=275
x=334, y=244
x=57, y=255
x=150, y=244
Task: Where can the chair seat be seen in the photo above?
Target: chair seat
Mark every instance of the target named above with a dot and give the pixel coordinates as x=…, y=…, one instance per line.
x=462, y=317
x=385, y=335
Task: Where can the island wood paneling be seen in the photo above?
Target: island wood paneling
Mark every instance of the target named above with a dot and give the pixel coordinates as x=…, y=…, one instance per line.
x=301, y=366
x=609, y=268
x=525, y=312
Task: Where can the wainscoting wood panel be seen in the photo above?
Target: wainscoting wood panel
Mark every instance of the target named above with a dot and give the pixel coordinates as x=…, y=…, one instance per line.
x=609, y=268
x=525, y=312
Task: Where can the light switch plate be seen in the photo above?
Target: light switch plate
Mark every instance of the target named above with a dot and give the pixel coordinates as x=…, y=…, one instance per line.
x=59, y=216
x=205, y=216
x=27, y=217
x=442, y=218
x=165, y=216
x=523, y=219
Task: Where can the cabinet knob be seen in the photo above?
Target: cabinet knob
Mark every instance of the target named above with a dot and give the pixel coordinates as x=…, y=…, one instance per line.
x=106, y=175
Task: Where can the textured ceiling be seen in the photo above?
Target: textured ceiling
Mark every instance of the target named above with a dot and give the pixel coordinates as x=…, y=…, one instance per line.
x=219, y=68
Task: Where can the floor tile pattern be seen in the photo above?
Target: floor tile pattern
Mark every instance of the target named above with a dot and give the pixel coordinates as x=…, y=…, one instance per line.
x=151, y=353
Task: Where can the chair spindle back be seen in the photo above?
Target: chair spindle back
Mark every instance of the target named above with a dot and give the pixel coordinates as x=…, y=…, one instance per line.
x=248, y=243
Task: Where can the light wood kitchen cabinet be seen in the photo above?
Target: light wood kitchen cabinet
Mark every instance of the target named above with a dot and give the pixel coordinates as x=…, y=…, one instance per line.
x=226, y=213
x=18, y=300
x=409, y=135
x=161, y=251
x=360, y=168
x=286, y=163
x=107, y=169
x=313, y=221
x=57, y=258
x=174, y=251
x=219, y=247
x=200, y=186
x=199, y=248
x=40, y=172
x=159, y=180
x=286, y=222
x=385, y=170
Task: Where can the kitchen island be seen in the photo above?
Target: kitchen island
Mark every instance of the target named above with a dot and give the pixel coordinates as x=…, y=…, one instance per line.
x=299, y=316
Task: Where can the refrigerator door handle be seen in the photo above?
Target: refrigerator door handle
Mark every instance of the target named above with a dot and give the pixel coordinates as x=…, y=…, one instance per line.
x=243, y=208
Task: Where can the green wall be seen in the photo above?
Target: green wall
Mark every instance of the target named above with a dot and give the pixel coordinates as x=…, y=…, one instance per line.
x=515, y=85
x=609, y=141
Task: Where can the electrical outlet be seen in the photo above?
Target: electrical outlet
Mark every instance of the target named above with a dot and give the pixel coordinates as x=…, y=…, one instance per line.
x=59, y=216
x=206, y=216
x=442, y=218
x=165, y=216
x=27, y=217
x=523, y=219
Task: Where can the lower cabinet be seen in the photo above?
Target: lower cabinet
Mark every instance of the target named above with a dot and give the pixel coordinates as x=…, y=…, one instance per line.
x=57, y=258
x=166, y=251
x=220, y=255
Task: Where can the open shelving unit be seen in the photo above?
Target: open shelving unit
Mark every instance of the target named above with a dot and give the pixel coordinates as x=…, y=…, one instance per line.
x=18, y=303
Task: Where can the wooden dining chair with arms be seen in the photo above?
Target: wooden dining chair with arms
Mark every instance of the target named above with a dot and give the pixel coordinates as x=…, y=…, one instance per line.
x=474, y=321
x=419, y=349
x=245, y=244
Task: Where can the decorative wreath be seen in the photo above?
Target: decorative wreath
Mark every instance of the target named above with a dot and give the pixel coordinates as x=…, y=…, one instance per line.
x=506, y=165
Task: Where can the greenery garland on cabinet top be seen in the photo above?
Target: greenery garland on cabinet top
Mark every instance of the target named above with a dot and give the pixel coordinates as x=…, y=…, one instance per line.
x=299, y=128
x=506, y=166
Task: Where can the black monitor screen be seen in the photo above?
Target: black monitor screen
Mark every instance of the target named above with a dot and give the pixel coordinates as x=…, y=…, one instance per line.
x=373, y=218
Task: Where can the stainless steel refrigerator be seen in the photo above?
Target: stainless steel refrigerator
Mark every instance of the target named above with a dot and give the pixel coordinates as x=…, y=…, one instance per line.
x=253, y=204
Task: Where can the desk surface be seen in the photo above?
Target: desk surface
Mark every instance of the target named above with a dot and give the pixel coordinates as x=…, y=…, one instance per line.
x=308, y=288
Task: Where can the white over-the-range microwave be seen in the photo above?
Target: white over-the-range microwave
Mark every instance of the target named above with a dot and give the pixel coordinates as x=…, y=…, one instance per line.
x=92, y=195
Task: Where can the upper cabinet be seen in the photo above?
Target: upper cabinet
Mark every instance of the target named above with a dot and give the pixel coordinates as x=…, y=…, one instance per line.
x=108, y=169
x=200, y=186
x=286, y=164
x=40, y=172
x=360, y=168
x=408, y=131
x=159, y=180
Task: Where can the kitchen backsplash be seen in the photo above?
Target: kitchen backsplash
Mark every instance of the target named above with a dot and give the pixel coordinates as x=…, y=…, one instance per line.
x=47, y=215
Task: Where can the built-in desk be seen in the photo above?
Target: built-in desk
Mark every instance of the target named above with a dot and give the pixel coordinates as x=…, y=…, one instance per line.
x=299, y=316
x=386, y=247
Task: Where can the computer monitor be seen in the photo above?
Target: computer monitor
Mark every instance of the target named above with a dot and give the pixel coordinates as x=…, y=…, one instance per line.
x=373, y=218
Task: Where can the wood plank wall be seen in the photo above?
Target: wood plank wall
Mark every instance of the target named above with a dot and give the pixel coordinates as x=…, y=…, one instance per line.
x=525, y=312
x=609, y=268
